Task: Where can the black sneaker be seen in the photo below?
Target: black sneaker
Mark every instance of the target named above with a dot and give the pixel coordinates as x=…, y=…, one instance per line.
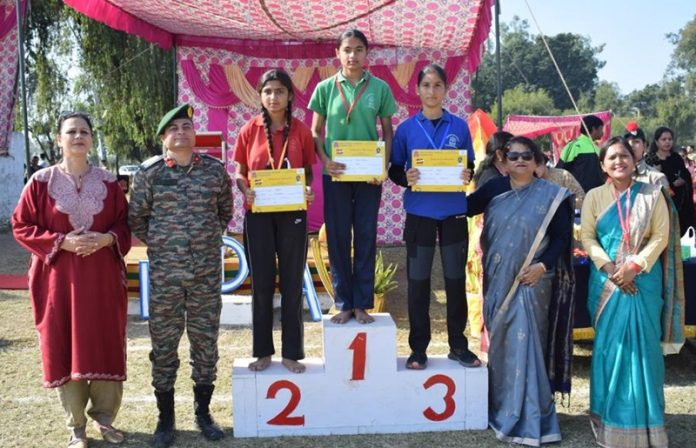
x=417, y=361
x=465, y=357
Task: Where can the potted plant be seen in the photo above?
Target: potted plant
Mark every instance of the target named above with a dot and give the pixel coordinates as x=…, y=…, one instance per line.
x=384, y=282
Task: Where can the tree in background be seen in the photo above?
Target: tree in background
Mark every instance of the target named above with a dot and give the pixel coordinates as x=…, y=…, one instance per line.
x=122, y=81
x=525, y=61
x=677, y=107
x=578, y=62
x=130, y=84
x=519, y=100
x=642, y=102
x=672, y=102
x=47, y=84
x=527, y=70
x=607, y=96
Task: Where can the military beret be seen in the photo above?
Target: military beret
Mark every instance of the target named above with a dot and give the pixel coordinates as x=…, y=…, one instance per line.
x=183, y=111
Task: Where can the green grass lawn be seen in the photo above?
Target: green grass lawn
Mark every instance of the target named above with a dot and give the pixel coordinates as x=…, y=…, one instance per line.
x=31, y=416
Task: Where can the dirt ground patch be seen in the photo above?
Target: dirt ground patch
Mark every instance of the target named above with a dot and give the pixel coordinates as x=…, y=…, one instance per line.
x=14, y=259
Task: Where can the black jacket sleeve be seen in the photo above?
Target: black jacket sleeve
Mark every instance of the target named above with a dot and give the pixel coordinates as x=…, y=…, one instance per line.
x=479, y=199
x=559, y=232
x=397, y=174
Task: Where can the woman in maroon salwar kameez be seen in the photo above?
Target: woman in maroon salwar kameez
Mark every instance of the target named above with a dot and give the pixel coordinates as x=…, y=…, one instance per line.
x=72, y=217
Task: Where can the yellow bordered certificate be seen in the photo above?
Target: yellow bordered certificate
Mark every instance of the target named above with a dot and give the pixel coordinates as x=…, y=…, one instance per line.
x=278, y=190
x=364, y=160
x=440, y=170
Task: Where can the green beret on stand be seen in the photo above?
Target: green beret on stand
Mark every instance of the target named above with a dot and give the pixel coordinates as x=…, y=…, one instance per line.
x=183, y=111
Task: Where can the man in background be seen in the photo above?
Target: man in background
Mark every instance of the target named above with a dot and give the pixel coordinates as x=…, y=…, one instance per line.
x=581, y=156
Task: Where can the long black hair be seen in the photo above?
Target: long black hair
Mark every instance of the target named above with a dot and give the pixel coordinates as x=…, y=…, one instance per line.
x=282, y=77
x=497, y=141
x=658, y=133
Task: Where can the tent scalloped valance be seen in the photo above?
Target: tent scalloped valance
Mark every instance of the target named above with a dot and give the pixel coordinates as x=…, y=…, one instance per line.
x=562, y=128
x=223, y=105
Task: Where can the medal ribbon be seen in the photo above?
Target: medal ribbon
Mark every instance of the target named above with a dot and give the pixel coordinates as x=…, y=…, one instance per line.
x=430, y=139
x=282, y=154
x=625, y=222
x=349, y=108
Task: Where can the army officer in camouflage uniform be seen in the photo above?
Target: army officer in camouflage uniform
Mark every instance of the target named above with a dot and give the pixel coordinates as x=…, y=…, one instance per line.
x=180, y=205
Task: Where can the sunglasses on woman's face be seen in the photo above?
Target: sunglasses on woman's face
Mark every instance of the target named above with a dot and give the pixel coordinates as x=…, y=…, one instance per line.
x=512, y=156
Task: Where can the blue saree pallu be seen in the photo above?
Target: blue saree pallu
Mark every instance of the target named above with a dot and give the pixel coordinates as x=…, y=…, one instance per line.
x=627, y=376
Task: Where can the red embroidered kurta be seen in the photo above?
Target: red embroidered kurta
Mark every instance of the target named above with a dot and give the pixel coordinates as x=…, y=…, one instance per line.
x=80, y=304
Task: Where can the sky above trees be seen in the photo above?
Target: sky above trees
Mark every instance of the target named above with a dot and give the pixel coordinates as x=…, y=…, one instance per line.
x=634, y=33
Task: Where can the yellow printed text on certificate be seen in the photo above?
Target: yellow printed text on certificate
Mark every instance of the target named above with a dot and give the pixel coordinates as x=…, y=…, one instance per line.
x=440, y=170
x=364, y=160
x=278, y=190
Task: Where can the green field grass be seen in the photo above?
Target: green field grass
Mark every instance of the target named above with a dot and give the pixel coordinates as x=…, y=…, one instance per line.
x=31, y=416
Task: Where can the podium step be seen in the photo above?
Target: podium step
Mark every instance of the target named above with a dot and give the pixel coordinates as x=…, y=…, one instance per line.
x=359, y=387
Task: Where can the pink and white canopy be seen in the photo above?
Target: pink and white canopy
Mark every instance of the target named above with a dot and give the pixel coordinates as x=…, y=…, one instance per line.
x=223, y=47
x=562, y=129
x=455, y=26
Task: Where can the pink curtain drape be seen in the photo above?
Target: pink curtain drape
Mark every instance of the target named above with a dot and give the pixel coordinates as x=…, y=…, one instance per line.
x=8, y=75
x=217, y=92
x=8, y=18
x=220, y=99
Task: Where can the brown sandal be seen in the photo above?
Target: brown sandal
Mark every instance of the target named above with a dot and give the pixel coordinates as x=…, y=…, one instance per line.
x=109, y=433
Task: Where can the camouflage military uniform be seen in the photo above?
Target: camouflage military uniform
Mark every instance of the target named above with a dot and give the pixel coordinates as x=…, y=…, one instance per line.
x=180, y=213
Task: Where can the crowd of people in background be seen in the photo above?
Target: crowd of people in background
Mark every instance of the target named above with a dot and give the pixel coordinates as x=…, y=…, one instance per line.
x=636, y=201
x=36, y=163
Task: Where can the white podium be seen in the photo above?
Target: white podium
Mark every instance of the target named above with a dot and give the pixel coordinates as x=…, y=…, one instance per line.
x=360, y=387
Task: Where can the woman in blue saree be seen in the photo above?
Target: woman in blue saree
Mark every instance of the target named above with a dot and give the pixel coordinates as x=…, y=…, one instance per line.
x=633, y=301
x=527, y=296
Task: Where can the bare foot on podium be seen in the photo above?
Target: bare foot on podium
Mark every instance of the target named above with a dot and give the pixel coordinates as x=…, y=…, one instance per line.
x=342, y=317
x=260, y=364
x=293, y=366
x=362, y=316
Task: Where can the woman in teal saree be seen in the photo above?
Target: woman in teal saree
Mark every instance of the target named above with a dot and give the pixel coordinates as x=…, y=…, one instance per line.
x=528, y=296
x=633, y=301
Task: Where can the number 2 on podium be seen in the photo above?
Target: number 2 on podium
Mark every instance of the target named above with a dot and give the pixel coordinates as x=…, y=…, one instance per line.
x=284, y=418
